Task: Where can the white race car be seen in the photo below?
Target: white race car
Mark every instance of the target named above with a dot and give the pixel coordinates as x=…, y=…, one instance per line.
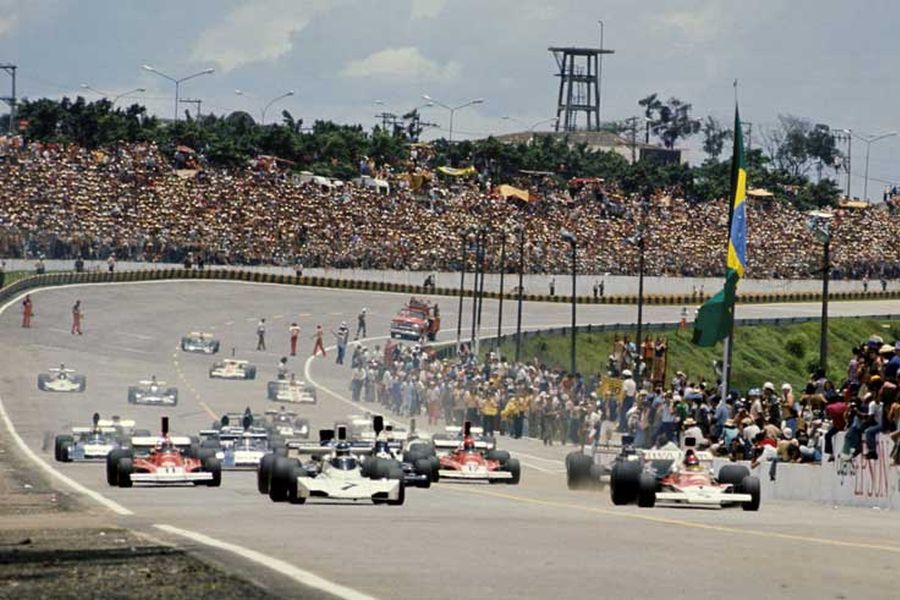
x=291, y=390
x=94, y=442
x=61, y=380
x=201, y=342
x=287, y=424
x=153, y=393
x=231, y=368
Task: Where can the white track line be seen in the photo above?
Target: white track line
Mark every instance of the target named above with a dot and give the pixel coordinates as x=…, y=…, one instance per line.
x=288, y=570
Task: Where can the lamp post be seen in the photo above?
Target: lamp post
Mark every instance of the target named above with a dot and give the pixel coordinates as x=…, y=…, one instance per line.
x=480, y=290
x=639, y=343
x=569, y=237
x=502, y=273
x=820, y=225
x=478, y=251
x=115, y=98
x=265, y=109
x=521, y=291
x=869, y=140
x=452, y=109
x=462, y=289
x=849, y=135
x=178, y=81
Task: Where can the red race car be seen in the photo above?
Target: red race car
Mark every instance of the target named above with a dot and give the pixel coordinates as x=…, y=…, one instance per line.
x=469, y=462
x=163, y=460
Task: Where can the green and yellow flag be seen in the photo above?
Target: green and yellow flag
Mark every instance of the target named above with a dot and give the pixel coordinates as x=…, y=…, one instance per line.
x=714, y=319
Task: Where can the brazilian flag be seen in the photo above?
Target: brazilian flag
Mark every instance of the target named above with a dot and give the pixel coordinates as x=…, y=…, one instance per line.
x=714, y=319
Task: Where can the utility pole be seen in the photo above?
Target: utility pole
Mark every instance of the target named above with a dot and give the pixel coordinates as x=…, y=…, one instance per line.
x=11, y=99
x=197, y=102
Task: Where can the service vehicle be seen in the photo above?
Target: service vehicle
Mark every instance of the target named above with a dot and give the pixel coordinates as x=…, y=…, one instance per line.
x=231, y=368
x=61, y=380
x=418, y=320
x=152, y=392
x=200, y=342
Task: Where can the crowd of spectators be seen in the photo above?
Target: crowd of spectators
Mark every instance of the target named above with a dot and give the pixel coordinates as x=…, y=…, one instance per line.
x=131, y=201
x=769, y=423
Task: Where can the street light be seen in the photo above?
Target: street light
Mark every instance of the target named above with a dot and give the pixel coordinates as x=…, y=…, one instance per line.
x=569, y=237
x=502, y=273
x=640, y=238
x=869, y=140
x=287, y=94
x=452, y=109
x=521, y=291
x=819, y=224
x=178, y=81
x=462, y=288
x=115, y=99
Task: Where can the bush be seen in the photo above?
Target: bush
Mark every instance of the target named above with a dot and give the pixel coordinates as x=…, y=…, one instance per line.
x=796, y=347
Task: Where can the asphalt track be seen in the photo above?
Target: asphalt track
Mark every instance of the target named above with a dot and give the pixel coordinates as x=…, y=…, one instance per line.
x=536, y=540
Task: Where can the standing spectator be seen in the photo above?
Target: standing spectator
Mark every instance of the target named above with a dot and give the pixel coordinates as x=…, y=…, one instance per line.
x=629, y=392
x=865, y=283
x=319, y=337
x=552, y=286
x=39, y=267
x=294, y=331
x=27, y=311
x=602, y=287
x=261, y=334
x=111, y=263
x=883, y=284
x=874, y=418
x=360, y=324
x=76, y=318
x=342, y=336
x=596, y=290
x=79, y=265
x=489, y=414
x=282, y=368
x=298, y=269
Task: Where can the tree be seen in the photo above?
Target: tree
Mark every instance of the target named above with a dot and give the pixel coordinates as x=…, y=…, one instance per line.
x=795, y=145
x=714, y=137
x=669, y=120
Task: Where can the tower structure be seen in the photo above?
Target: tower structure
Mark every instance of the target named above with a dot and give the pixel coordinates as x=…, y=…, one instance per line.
x=579, y=71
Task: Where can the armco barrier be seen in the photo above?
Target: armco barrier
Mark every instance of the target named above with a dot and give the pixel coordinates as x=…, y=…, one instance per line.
x=58, y=278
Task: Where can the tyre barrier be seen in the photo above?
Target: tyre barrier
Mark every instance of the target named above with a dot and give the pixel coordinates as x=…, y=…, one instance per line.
x=71, y=277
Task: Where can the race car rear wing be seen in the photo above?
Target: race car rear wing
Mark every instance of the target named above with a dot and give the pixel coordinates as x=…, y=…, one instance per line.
x=93, y=429
x=452, y=443
x=274, y=411
x=153, y=440
x=123, y=423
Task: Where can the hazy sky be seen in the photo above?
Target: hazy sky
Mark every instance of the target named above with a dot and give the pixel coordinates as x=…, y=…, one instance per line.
x=830, y=61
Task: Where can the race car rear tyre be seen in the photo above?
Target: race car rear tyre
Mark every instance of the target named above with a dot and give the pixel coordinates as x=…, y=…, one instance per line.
x=623, y=482
x=250, y=373
x=215, y=347
x=597, y=471
x=282, y=469
x=132, y=395
x=513, y=466
x=423, y=467
x=280, y=450
x=435, y=469
x=733, y=474
x=80, y=381
x=173, y=392
x=212, y=465
x=124, y=470
x=578, y=470
x=401, y=495
x=293, y=493
x=646, y=490
x=264, y=472
x=43, y=378
x=58, y=445
x=394, y=471
x=498, y=455
x=272, y=390
x=184, y=342
x=750, y=485
x=210, y=444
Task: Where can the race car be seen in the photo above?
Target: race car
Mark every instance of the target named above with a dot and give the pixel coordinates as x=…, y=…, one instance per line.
x=418, y=460
x=333, y=471
x=200, y=342
x=237, y=449
x=592, y=468
x=684, y=477
x=231, y=368
x=291, y=390
x=287, y=424
x=417, y=320
x=471, y=461
x=453, y=436
x=94, y=442
x=163, y=460
x=152, y=392
x=61, y=380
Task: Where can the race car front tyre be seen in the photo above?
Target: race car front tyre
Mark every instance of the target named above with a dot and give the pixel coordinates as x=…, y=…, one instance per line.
x=282, y=469
x=250, y=373
x=80, y=381
x=733, y=474
x=58, y=444
x=498, y=455
x=215, y=347
x=623, y=482
x=435, y=469
x=264, y=473
x=750, y=485
x=293, y=492
x=43, y=378
x=173, y=394
x=646, y=490
x=125, y=469
x=272, y=390
x=112, y=465
x=401, y=495
x=423, y=467
x=212, y=465
x=513, y=466
x=578, y=470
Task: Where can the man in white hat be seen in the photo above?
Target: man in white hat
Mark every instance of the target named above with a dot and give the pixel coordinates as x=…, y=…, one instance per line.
x=629, y=392
x=342, y=336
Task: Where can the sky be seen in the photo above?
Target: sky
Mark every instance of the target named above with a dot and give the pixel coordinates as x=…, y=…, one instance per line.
x=828, y=61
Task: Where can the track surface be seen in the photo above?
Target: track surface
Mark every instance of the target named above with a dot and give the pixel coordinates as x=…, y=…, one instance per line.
x=536, y=540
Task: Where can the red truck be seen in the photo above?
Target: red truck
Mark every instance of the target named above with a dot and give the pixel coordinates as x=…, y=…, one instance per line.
x=418, y=320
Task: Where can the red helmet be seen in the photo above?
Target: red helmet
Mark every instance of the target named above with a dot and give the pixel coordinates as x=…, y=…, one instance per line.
x=468, y=443
x=691, y=461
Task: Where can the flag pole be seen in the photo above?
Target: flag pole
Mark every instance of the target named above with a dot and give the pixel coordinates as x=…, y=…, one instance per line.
x=729, y=345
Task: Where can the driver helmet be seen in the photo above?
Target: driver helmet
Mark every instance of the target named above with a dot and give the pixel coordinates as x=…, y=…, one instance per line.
x=381, y=447
x=691, y=462
x=468, y=444
x=342, y=449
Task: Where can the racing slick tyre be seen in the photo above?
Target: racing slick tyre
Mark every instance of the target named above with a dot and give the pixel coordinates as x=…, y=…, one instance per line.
x=578, y=470
x=646, y=490
x=215, y=347
x=597, y=472
x=250, y=373
x=435, y=469
x=132, y=395
x=210, y=444
x=501, y=456
x=750, y=485
x=280, y=450
x=293, y=492
x=733, y=474
x=124, y=470
x=264, y=472
x=623, y=482
x=423, y=467
x=43, y=378
x=401, y=495
x=513, y=466
x=80, y=381
x=58, y=444
x=212, y=465
x=112, y=466
x=173, y=392
x=184, y=342
x=272, y=390
x=282, y=469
